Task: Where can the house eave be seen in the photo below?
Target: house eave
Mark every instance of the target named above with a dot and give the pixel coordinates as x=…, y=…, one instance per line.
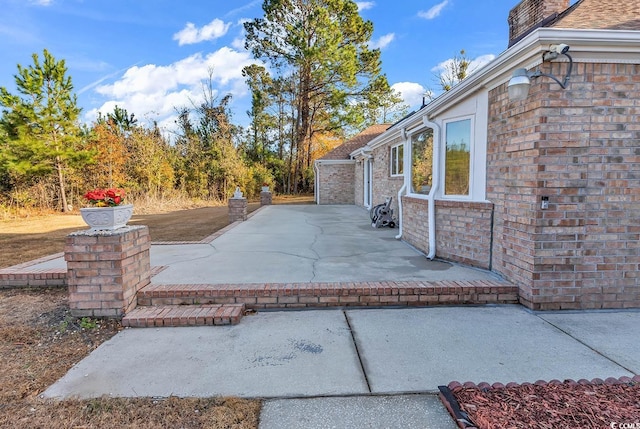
x=334, y=161
x=619, y=46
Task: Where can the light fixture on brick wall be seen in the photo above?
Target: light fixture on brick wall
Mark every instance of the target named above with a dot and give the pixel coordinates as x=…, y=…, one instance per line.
x=520, y=81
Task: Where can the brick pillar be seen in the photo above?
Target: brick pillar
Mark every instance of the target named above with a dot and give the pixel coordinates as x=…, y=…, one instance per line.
x=105, y=270
x=237, y=209
x=265, y=198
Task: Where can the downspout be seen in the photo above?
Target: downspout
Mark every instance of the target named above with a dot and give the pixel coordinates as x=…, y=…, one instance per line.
x=316, y=169
x=435, y=185
x=403, y=189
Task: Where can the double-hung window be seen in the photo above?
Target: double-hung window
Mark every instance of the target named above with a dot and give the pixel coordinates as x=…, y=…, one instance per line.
x=397, y=160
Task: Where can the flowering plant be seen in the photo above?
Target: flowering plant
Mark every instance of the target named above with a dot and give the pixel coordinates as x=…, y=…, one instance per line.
x=105, y=197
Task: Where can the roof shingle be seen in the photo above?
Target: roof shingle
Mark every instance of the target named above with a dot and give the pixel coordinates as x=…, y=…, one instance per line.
x=601, y=15
x=358, y=141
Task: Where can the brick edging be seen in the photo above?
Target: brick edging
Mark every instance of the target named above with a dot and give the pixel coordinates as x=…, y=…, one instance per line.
x=314, y=295
x=32, y=262
x=23, y=275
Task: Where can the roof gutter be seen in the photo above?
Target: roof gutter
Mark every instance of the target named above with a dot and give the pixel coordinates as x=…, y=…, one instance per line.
x=403, y=188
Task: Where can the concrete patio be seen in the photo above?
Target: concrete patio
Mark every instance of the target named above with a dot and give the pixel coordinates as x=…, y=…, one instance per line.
x=348, y=367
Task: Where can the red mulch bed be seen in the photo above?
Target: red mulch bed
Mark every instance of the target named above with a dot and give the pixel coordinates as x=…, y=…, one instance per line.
x=569, y=404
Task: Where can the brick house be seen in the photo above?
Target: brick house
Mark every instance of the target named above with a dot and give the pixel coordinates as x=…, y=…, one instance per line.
x=542, y=188
x=339, y=177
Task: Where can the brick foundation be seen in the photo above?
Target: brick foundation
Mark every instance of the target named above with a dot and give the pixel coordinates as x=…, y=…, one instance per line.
x=238, y=209
x=463, y=229
x=105, y=270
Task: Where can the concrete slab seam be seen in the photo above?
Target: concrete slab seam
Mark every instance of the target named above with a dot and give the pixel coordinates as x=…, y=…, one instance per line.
x=355, y=345
x=598, y=352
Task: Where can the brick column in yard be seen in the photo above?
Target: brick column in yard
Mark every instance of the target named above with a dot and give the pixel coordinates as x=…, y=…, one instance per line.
x=266, y=198
x=237, y=209
x=105, y=270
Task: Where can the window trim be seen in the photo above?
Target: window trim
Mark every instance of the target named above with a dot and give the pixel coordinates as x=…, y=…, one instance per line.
x=397, y=161
x=409, y=160
x=474, y=108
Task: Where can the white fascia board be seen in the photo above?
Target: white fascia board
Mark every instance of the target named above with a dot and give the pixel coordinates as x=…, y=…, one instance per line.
x=617, y=46
x=586, y=46
x=592, y=46
x=334, y=161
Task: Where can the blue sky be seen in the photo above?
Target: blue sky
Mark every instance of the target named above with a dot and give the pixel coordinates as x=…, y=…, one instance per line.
x=151, y=56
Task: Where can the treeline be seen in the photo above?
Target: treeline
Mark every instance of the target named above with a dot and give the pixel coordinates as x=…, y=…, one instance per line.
x=323, y=83
x=48, y=160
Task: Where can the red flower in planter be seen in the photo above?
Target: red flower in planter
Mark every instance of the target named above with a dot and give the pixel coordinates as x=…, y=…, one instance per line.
x=105, y=197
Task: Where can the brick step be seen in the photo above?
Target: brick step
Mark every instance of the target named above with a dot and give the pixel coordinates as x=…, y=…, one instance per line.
x=301, y=295
x=184, y=315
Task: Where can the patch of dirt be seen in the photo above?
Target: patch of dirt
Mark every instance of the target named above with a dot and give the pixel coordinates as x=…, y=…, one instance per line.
x=40, y=341
x=23, y=240
x=551, y=405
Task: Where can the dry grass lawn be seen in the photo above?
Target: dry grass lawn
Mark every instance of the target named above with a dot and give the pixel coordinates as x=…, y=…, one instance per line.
x=40, y=341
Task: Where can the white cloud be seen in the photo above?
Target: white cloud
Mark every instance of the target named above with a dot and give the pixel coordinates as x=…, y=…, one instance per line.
x=159, y=90
x=434, y=11
x=42, y=2
x=481, y=61
x=474, y=64
x=383, y=41
x=243, y=8
x=190, y=34
x=410, y=92
x=364, y=5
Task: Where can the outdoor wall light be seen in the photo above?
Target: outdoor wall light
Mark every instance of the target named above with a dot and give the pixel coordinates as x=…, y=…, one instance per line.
x=520, y=81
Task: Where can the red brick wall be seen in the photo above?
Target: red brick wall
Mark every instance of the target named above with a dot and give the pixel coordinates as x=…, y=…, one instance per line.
x=580, y=148
x=383, y=184
x=415, y=223
x=358, y=188
x=463, y=229
x=337, y=183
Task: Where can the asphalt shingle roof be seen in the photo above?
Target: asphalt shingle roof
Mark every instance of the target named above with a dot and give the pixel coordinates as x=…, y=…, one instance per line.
x=600, y=14
x=358, y=141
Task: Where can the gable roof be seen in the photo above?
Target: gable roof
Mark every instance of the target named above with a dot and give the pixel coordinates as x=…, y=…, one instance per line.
x=600, y=14
x=355, y=143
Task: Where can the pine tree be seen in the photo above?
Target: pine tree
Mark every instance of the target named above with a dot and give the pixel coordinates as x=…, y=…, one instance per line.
x=322, y=46
x=41, y=124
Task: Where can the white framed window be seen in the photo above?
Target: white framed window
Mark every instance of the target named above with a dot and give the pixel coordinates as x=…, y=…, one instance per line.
x=422, y=162
x=459, y=138
x=458, y=145
x=396, y=158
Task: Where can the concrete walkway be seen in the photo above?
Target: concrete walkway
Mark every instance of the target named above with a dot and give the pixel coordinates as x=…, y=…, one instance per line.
x=375, y=368
x=358, y=353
